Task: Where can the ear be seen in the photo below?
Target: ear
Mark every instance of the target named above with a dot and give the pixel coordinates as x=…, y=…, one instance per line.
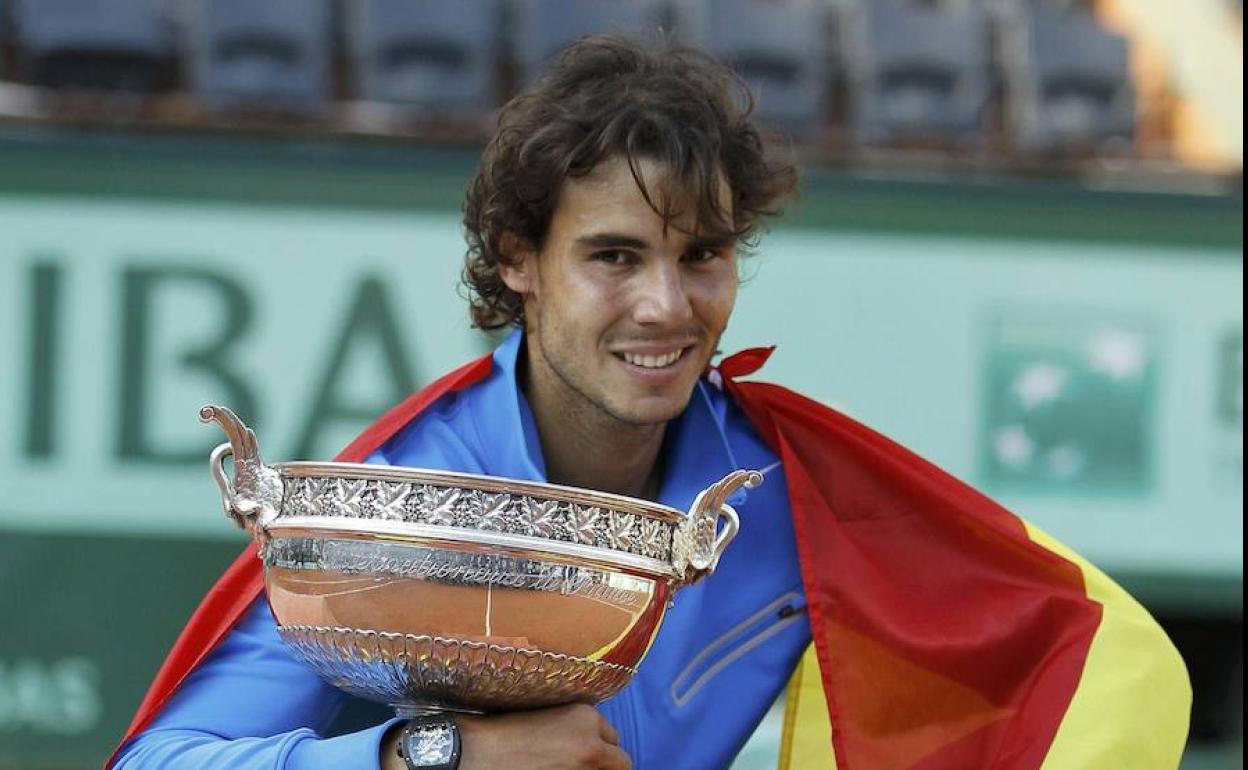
x=519, y=268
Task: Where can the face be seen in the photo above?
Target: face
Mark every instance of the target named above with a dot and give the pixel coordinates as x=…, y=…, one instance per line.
x=623, y=315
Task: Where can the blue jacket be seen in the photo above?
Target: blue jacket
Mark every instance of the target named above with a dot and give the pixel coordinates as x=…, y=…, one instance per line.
x=721, y=658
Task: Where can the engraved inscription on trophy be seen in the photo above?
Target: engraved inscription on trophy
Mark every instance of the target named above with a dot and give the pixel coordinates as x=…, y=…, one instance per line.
x=465, y=569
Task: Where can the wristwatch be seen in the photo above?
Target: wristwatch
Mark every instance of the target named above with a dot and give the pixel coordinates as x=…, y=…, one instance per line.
x=430, y=742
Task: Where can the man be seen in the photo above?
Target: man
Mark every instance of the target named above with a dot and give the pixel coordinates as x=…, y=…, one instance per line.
x=604, y=225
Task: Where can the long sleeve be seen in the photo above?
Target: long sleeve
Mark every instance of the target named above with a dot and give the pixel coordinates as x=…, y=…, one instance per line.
x=251, y=686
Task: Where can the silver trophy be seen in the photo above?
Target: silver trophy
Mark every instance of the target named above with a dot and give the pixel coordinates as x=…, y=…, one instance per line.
x=438, y=591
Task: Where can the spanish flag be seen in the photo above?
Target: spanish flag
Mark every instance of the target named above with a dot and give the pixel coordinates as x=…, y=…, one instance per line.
x=948, y=634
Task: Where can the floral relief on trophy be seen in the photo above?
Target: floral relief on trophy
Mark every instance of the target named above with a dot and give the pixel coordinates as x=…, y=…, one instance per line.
x=391, y=501
x=585, y=523
x=543, y=517
x=502, y=512
x=622, y=531
x=311, y=493
x=656, y=539
x=292, y=497
x=347, y=498
x=496, y=513
x=440, y=505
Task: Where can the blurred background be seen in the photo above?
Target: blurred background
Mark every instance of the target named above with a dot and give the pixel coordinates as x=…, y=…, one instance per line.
x=1019, y=250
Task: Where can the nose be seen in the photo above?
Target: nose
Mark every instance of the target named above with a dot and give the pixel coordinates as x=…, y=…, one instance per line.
x=662, y=298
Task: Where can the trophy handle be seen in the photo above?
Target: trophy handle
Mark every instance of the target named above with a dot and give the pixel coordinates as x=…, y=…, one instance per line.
x=254, y=498
x=699, y=540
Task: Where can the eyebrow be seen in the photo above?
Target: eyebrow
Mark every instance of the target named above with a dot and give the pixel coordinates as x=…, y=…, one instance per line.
x=612, y=241
x=622, y=241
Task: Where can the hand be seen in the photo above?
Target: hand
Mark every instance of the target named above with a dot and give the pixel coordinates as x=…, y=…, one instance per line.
x=572, y=737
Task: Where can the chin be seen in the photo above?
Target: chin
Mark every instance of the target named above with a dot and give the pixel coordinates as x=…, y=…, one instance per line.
x=652, y=413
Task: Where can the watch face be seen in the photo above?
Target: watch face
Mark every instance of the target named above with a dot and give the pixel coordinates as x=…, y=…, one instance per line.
x=430, y=746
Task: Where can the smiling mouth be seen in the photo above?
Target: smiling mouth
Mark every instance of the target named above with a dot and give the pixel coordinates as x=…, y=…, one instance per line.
x=653, y=361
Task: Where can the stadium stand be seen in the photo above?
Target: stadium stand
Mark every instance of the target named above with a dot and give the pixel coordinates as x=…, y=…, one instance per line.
x=1010, y=83
x=918, y=72
x=269, y=55
x=542, y=28
x=94, y=45
x=780, y=48
x=1068, y=84
x=428, y=54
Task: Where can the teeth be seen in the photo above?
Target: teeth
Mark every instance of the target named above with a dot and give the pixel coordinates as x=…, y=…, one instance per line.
x=652, y=362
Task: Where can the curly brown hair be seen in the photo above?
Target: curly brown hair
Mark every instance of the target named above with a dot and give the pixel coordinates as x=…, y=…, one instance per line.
x=605, y=96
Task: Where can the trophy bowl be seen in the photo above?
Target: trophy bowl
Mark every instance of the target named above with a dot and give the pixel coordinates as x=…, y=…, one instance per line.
x=438, y=591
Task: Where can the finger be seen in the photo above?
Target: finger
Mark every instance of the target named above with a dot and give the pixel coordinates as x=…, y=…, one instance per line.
x=614, y=758
x=608, y=733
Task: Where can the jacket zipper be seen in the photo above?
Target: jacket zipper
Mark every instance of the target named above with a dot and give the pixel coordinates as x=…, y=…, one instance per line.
x=734, y=643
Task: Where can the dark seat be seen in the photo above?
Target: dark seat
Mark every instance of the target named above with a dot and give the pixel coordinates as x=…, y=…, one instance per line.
x=1070, y=84
x=779, y=47
x=266, y=54
x=112, y=45
x=433, y=54
x=543, y=28
x=920, y=72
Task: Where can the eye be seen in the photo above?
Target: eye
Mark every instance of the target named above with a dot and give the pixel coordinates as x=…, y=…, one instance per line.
x=614, y=257
x=698, y=256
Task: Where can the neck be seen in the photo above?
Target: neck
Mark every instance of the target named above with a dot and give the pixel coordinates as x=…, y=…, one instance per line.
x=585, y=447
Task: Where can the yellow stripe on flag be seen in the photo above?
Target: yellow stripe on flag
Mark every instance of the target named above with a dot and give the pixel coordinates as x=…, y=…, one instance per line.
x=806, y=743
x=1133, y=704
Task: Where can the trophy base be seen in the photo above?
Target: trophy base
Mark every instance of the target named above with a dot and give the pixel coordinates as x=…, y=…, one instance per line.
x=421, y=674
